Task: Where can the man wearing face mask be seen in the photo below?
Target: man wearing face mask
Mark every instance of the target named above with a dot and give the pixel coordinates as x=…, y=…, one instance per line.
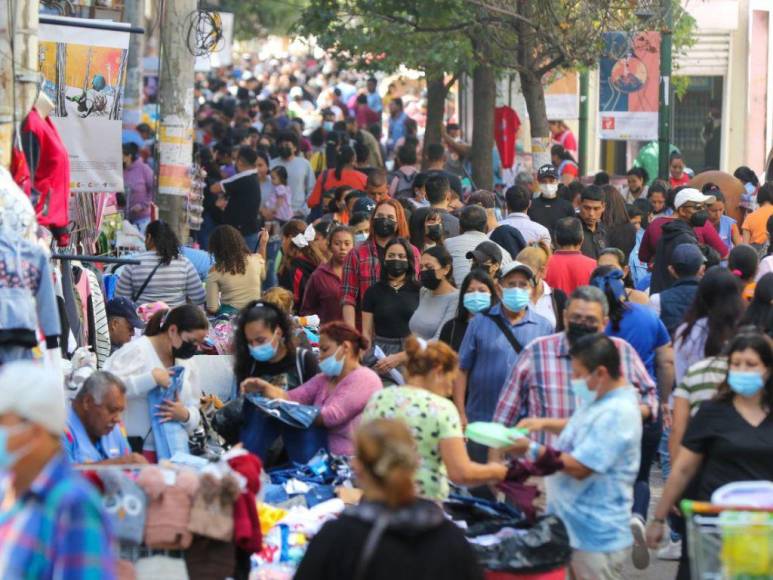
x=598, y=446
x=539, y=385
x=519, y=199
x=53, y=524
x=548, y=207
x=300, y=175
x=491, y=347
x=691, y=212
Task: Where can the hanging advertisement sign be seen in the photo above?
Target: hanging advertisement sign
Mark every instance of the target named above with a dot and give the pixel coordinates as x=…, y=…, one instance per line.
x=84, y=71
x=629, y=77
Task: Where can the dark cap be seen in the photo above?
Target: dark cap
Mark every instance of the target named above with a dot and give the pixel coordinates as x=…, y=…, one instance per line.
x=547, y=171
x=124, y=308
x=486, y=251
x=687, y=258
x=364, y=205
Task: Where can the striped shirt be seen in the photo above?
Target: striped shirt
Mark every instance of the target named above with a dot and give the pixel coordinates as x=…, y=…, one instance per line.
x=539, y=384
x=175, y=283
x=57, y=529
x=701, y=381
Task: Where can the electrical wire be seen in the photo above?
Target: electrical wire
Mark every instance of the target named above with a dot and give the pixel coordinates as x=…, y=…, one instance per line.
x=204, y=32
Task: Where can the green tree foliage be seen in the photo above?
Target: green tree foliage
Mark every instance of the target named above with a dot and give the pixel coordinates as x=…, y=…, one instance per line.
x=256, y=18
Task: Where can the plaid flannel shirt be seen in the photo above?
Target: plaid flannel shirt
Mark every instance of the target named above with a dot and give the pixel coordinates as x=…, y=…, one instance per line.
x=362, y=269
x=539, y=384
x=57, y=529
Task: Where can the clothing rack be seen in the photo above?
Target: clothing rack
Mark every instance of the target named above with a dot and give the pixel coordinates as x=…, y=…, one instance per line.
x=102, y=259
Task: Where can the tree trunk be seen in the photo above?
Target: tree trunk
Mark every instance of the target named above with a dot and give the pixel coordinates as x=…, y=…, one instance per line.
x=484, y=92
x=134, y=12
x=436, y=108
x=534, y=95
x=175, y=135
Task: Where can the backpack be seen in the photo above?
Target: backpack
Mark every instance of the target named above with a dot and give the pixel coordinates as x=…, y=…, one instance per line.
x=404, y=183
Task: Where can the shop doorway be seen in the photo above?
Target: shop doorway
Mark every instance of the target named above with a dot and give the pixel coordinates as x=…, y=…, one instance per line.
x=697, y=123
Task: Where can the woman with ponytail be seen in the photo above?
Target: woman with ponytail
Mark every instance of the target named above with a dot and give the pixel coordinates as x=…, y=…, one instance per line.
x=341, y=390
x=343, y=173
x=171, y=336
x=391, y=533
x=424, y=405
x=743, y=262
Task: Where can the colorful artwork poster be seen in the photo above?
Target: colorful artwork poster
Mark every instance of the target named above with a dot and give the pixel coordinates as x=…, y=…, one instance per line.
x=562, y=95
x=629, y=77
x=84, y=71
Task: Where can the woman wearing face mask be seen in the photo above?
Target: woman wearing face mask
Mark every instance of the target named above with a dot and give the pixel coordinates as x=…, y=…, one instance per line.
x=750, y=186
x=264, y=348
x=729, y=438
x=171, y=336
x=390, y=303
x=163, y=275
x=438, y=299
x=546, y=301
x=423, y=405
x=363, y=267
x=341, y=390
x=433, y=229
x=478, y=293
x=324, y=291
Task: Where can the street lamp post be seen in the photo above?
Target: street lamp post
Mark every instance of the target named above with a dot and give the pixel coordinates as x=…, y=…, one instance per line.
x=664, y=113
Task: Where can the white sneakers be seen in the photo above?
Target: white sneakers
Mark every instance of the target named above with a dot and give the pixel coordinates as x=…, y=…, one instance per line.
x=640, y=553
x=671, y=551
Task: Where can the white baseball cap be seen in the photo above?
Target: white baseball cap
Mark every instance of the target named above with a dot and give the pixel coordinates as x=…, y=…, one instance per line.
x=693, y=195
x=34, y=393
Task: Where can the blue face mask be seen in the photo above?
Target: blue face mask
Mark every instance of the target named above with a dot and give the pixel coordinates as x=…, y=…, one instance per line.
x=745, y=384
x=749, y=187
x=582, y=392
x=515, y=299
x=328, y=125
x=263, y=352
x=476, y=301
x=360, y=237
x=8, y=459
x=331, y=366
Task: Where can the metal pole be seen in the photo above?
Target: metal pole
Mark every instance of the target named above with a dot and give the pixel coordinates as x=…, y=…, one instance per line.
x=664, y=113
x=584, y=115
x=175, y=134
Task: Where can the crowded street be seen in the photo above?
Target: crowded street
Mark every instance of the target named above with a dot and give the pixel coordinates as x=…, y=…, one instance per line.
x=379, y=289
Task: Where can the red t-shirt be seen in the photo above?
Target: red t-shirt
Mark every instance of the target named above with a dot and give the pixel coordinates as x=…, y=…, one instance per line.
x=706, y=234
x=327, y=179
x=684, y=180
x=566, y=270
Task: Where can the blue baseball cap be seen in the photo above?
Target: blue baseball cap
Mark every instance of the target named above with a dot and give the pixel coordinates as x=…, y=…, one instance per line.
x=124, y=308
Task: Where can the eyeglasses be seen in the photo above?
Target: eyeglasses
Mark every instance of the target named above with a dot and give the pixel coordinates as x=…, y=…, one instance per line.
x=695, y=206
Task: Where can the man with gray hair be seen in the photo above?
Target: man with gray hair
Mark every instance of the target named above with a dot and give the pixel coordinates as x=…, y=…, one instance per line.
x=94, y=433
x=538, y=393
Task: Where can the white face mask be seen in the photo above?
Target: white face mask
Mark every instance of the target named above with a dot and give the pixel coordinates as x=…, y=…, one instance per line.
x=549, y=190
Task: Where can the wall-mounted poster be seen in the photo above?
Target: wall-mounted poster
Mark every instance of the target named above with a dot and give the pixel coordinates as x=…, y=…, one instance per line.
x=83, y=73
x=629, y=76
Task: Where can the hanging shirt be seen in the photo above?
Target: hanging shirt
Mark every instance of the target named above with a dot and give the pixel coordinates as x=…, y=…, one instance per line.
x=506, y=125
x=80, y=448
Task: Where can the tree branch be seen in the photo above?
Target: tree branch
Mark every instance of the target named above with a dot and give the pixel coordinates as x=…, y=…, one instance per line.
x=549, y=66
x=451, y=81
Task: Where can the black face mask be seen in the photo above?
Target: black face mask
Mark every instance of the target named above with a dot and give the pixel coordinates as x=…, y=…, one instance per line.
x=434, y=232
x=285, y=151
x=429, y=279
x=396, y=268
x=575, y=331
x=185, y=351
x=384, y=227
x=699, y=218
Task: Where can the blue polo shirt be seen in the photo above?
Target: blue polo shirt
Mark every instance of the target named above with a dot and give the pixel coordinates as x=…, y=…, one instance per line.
x=488, y=357
x=642, y=328
x=80, y=449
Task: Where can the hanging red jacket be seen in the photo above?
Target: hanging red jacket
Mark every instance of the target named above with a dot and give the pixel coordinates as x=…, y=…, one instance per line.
x=506, y=125
x=50, y=168
x=20, y=171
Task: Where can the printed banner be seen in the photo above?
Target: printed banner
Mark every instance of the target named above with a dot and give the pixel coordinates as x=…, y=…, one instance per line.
x=84, y=70
x=629, y=77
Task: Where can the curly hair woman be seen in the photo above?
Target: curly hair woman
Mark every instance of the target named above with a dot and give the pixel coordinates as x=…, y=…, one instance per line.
x=162, y=275
x=235, y=279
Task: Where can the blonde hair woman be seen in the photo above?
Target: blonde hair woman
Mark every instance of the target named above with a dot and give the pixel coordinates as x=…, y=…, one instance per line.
x=546, y=301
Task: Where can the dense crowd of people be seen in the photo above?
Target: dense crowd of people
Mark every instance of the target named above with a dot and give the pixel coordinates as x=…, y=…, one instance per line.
x=623, y=328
